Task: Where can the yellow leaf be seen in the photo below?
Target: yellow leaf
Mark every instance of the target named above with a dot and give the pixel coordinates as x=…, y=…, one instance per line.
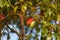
x=30, y=3
x=32, y=24
x=23, y=8
x=15, y=9
x=21, y=0
x=53, y=6
x=58, y=17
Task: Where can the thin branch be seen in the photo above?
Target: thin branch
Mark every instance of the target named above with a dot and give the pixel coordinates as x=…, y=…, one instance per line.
x=14, y=31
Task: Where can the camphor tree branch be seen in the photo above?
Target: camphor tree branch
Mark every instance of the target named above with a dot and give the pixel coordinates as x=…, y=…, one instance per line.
x=14, y=31
x=20, y=35
x=22, y=25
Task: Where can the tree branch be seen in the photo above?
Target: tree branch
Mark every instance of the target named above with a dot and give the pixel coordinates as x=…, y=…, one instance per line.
x=14, y=31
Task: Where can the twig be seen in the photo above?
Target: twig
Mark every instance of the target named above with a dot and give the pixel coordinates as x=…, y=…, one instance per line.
x=14, y=31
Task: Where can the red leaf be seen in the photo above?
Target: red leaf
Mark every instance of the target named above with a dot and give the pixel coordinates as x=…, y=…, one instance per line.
x=2, y=17
x=29, y=21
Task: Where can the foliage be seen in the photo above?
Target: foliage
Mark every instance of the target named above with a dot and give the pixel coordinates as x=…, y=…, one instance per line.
x=17, y=9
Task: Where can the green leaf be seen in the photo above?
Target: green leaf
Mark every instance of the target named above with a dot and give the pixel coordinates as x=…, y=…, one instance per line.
x=1, y=3
x=44, y=31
